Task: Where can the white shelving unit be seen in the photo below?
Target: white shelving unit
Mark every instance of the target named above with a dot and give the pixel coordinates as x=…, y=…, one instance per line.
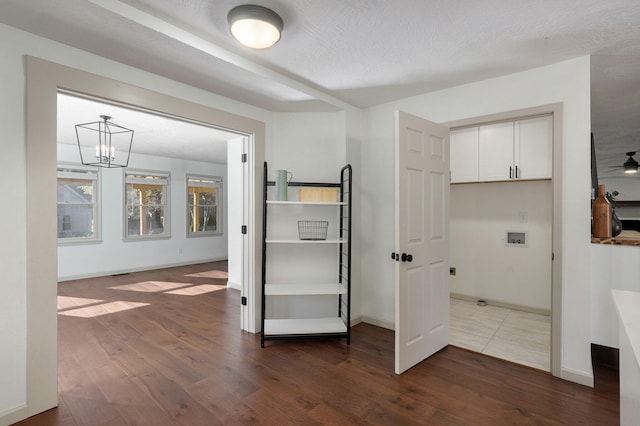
x=334, y=326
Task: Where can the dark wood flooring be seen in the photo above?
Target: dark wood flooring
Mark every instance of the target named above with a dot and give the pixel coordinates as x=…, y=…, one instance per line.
x=165, y=347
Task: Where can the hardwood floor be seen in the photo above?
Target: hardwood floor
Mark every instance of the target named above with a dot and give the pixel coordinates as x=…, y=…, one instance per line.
x=165, y=347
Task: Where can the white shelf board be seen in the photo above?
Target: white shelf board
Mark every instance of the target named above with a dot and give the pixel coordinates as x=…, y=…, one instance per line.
x=303, y=326
x=303, y=289
x=307, y=203
x=298, y=241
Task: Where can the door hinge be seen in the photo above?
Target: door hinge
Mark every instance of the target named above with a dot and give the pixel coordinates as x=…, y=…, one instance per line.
x=243, y=300
x=244, y=158
x=243, y=229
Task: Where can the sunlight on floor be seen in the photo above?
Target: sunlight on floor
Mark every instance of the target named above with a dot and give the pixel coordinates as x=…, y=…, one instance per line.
x=68, y=302
x=196, y=290
x=102, y=309
x=182, y=289
x=151, y=286
x=209, y=274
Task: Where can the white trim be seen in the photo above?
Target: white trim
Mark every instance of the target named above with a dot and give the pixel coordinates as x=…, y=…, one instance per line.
x=575, y=376
x=378, y=322
x=235, y=286
x=131, y=270
x=130, y=176
x=14, y=415
x=207, y=182
x=43, y=82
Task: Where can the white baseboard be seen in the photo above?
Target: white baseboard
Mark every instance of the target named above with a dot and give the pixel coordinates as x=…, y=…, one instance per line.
x=378, y=322
x=235, y=286
x=130, y=270
x=14, y=415
x=492, y=302
x=579, y=377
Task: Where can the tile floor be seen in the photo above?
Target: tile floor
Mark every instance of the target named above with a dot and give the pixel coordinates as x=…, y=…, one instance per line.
x=521, y=337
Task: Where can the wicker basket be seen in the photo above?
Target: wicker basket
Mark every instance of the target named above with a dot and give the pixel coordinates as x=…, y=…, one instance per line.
x=313, y=229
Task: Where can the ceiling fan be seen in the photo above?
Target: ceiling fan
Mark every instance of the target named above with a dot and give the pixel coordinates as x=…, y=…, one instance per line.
x=629, y=166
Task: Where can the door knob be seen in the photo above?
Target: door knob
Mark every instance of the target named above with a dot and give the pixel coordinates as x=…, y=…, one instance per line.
x=406, y=257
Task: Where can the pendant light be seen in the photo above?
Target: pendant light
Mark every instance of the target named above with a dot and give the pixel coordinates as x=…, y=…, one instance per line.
x=104, y=144
x=255, y=26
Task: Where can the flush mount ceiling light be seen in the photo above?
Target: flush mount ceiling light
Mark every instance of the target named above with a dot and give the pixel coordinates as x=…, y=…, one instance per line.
x=103, y=143
x=255, y=26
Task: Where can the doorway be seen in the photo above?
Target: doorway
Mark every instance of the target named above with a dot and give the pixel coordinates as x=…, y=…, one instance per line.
x=43, y=82
x=476, y=319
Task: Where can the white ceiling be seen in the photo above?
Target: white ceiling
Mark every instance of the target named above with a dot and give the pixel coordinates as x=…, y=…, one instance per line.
x=153, y=134
x=362, y=52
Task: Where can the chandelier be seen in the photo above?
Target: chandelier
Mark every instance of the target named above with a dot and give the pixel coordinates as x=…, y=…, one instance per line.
x=103, y=143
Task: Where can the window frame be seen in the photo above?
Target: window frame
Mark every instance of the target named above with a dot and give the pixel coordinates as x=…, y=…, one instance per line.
x=80, y=172
x=214, y=182
x=155, y=177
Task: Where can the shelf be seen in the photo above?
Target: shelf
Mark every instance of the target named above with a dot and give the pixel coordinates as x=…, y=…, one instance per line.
x=304, y=326
x=306, y=203
x=298, y=241
x=303, y=289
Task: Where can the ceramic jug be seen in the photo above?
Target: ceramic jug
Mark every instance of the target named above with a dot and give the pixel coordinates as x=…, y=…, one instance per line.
x=283, y=177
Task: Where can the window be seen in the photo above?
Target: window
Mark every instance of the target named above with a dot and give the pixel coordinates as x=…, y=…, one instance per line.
x=147, y=205
x=204, y=194
x=77, y=205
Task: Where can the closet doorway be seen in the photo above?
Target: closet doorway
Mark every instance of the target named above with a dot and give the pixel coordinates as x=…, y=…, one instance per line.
x=505, y=287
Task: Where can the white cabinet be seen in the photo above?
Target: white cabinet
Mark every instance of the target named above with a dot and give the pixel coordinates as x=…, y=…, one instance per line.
x=464, y=155
x=533, y=139
x=279, y=231
x=495, y=152
x=514, y=150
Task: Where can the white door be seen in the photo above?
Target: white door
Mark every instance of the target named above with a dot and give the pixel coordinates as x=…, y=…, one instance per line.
x=422, y=239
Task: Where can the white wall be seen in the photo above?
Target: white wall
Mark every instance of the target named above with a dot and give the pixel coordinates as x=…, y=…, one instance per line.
x=310, y=145
x=567, y=82
x=313, y=147
x=115, y=255
x=486, y=268
x=13, y=326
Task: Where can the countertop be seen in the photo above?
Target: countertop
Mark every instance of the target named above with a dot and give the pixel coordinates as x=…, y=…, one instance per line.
x=626, y=238
x=628, y=306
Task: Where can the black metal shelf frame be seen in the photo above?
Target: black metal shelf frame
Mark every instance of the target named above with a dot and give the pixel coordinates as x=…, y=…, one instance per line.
x=344, y=254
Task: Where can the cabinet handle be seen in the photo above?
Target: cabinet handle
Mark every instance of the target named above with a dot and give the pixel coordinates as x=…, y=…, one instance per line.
x=510, y=172
x=517, y=172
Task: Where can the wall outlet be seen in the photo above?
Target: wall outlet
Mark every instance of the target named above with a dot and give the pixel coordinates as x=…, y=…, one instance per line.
x=452, y=271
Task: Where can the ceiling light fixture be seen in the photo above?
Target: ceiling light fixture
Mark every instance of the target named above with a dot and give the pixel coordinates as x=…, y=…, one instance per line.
x=255, y=26
x=102, y=140
x=631, y=165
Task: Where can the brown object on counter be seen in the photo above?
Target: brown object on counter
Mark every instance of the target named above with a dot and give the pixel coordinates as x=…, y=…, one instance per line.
x=602, y=220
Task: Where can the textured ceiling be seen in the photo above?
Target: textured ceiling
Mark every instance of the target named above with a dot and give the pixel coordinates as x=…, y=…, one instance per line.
x=335, y=53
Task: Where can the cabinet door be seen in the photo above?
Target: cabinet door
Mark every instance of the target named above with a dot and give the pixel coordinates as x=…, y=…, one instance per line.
x=534, y=144
x=464, y=155
x=495, y=152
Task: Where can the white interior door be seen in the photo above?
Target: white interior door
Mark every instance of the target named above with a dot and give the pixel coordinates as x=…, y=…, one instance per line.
x=422, y=240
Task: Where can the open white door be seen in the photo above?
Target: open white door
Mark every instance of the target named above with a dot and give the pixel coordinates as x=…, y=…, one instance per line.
x=422, y=239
